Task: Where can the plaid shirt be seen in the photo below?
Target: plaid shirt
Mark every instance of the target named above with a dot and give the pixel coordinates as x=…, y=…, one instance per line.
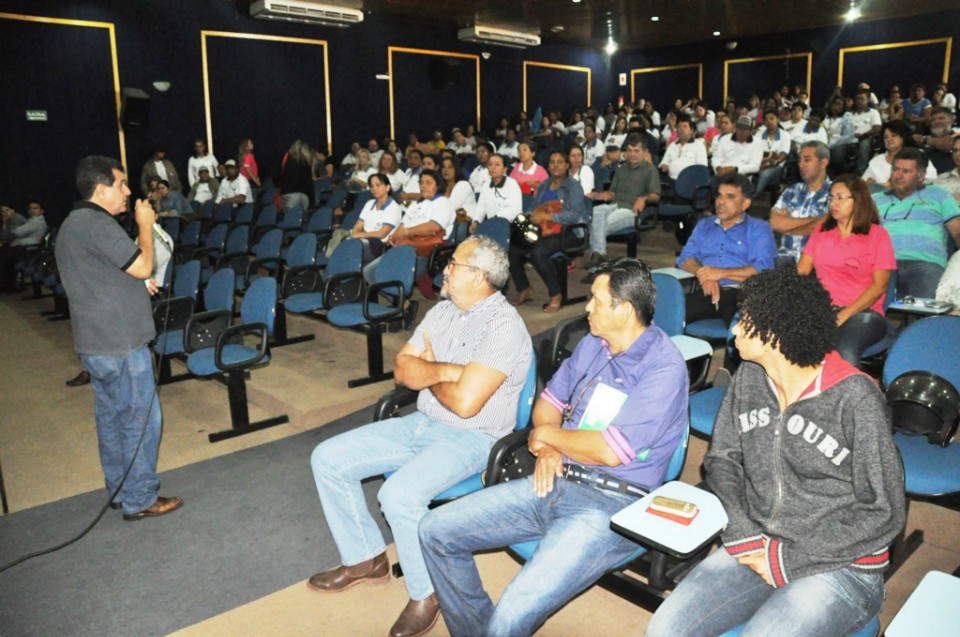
x=801, y=203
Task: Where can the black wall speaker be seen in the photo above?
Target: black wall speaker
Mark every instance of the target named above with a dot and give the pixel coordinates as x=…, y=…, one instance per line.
x=443, y=72
x=134, y=108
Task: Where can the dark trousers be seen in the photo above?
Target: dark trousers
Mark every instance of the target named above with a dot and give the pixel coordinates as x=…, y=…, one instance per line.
x=699, y=306
x=539, y=255
x=859, y=332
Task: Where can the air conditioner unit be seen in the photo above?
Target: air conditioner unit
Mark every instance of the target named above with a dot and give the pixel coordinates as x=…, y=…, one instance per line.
x=501, y=37
x=307, y=12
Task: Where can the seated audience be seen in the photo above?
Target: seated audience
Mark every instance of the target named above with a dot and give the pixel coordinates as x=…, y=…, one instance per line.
x=558, y=201
x=432, y=215
x=811, y=131
x=322, y=165
x=527, y=172
x=814, y=497
x=853, y=258
x=639, y=381
x=248, y=163
x=235, y=188
x=510, y=147
x=468, y=358
x=582, y=173
x=361, y=171
x=802, y=206
x=168, y=202
x=635, y=185
x=480, y=176
x=501, y=197
x=159, y=167
x=918, y=218
x=726, y=250
x=950, y=181
x=896, y=137
x=373, y=147
x=686, y=151
x=739, y=153
x=458, y=191
x=775, y=144
x=459, y=144
x=17, y=235
x=866, y=126
x=618, y=134
x=204, y=188
x=949, y=100
x=411, y=177
x=891, y=108
x=391, y=168
x=593, y=146
x=796, y=120
x=938, y=143
x=916, y=110
x=378, y=218
x=350, y=159
x=200, y=159
x=840, y=133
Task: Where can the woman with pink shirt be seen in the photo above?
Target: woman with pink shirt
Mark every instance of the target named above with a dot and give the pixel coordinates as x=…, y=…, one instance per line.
x=527, y=172
x=248, y=164
x=853, y=258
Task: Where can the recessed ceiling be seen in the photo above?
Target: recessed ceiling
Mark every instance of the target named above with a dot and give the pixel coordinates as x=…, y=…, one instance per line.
x=589, y=23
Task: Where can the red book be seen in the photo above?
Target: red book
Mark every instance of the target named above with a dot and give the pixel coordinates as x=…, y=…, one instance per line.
x=675, y=518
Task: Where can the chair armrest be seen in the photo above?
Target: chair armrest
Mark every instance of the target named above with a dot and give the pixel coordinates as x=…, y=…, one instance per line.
x=202, y=329
x=509, y=458
x=256, y=264
x=346, y=287
x=572, y=245
x=230, y=333
x=647, y=220
x=370, y=299
x=439, y=257
x=227, y=257
x=392, y=402
x=172, y=313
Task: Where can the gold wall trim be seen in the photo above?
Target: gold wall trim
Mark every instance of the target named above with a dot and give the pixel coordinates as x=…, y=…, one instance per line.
x=727, y=63
x=657, y=69
x=896, y=45
x=562, y=67
x=447, y=54
x=121, y=139
x=265, y=38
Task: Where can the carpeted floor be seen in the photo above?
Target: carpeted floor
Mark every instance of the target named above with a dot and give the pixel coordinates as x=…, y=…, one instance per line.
x=252, y=525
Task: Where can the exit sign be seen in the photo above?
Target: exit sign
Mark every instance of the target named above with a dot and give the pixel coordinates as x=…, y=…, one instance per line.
x=36, y=116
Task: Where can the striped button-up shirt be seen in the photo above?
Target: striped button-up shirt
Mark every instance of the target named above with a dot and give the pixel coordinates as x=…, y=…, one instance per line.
x=492, y=334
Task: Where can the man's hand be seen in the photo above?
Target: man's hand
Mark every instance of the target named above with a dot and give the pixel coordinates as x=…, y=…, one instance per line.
x=711, y=289
x=427, y=353
x=152, y=286
x=639, y=205
x=144, y=213
x=540, y=216
x=725, y=170
x=664, y=168
x=548, y=468
x=757, y=562
x=707, y=274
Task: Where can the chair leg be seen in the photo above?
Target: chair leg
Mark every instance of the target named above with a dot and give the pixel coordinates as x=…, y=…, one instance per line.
x=374, y=358
x=632, y=245
x=3, y=493
x=239, y=411
x=561, y=268
x=280, y=337
x=165, y=375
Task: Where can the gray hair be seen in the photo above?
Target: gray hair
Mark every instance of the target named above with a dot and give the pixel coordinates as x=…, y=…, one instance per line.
x=490, y=258
x=821, y=149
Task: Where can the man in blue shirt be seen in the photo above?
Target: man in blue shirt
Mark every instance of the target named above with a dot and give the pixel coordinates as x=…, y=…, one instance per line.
x=726, y=250
x=610, y=418
x=803, y=205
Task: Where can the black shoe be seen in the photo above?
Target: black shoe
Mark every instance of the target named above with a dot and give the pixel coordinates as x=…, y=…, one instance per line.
x=83, y=378
x=116, y=505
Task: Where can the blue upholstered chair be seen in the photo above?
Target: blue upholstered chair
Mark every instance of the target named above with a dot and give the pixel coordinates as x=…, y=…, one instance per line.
x=216, y=348
x=382, y=303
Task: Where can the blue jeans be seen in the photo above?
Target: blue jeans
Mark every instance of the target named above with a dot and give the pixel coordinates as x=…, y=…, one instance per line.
x=918, y=278
x=859, y=332
x=126, y=404
x=428, y=458
x=766, y=178
x=576, y=548
x=608, y=219
x=720, y=594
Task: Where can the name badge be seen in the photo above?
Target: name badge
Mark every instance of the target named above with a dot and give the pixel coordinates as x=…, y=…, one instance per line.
x=605, y=404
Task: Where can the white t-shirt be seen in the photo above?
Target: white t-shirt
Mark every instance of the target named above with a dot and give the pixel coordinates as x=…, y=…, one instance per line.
x=437, y=210
x=194, y=164
x=506, y=201
x=879, y=170
x=678, y=156
x=586, y=178
x=229, y=189
x=862, y=122
x=591, y=153
x=463, y=197
x=799, y=137
x=613, y=139
x=374, y=219
x=745, y=156
x=397, y=181
x=479, y=178
x=509, y=150
x=772, y=144
x=364, y=174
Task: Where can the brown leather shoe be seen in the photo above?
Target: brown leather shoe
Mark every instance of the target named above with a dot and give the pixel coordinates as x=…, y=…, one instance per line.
x=162, y=506
x=376, y=569
x=83, y=378
x=417, y=618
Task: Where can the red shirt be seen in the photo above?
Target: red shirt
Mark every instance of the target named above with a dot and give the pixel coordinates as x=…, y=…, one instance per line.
x=248, y=167
x=845, y=267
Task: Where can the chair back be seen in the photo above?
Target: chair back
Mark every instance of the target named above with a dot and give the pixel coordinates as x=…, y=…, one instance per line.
x=238, y=240
x=688, y=180
x=260, y=303
x=320, y=221
x=171, y=226
x=362, y=198
x=186, y=281
x=527, y=395
x=218, y=295
x=679, y=457
x=930, y=345
x=336, y=199
x=497, y=228
x=350, y=219
x=891, y=290
x=346, y=257
x=397, y=264
x=668, y=314
x=269, y=245
x=557, y=347
x=223, y=213
x=206, y=209
x=267, y=216
x=244, y=214
x=292, y=219
x=191, y=234
x=303, y=250
x=217, y=237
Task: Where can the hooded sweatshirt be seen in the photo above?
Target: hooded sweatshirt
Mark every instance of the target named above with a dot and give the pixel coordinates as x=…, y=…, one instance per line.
x=815, y=488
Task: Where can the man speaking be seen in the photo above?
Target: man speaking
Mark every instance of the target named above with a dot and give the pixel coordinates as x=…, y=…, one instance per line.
x=103, y=273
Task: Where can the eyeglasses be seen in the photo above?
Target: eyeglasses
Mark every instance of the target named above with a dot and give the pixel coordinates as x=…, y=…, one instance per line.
x=453, y=264
x=838, y=198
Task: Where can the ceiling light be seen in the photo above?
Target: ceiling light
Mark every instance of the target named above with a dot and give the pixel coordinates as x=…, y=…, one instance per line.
x=852, y=14
x=654, y=18
x=556, y=29
x=611, y=47
x=576, y=1
x=716, y=33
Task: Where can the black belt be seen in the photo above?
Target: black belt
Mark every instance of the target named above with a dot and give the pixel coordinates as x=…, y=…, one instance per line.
x=600, y=480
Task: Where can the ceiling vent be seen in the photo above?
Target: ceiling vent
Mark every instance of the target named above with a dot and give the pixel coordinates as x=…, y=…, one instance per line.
x=307, y=12
x=501, y=37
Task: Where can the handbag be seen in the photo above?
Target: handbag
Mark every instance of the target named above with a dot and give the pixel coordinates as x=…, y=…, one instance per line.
x=424, y=243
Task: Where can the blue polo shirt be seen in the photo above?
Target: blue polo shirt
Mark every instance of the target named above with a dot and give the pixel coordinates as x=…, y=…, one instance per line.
x=748, y=242
x=649, y=383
